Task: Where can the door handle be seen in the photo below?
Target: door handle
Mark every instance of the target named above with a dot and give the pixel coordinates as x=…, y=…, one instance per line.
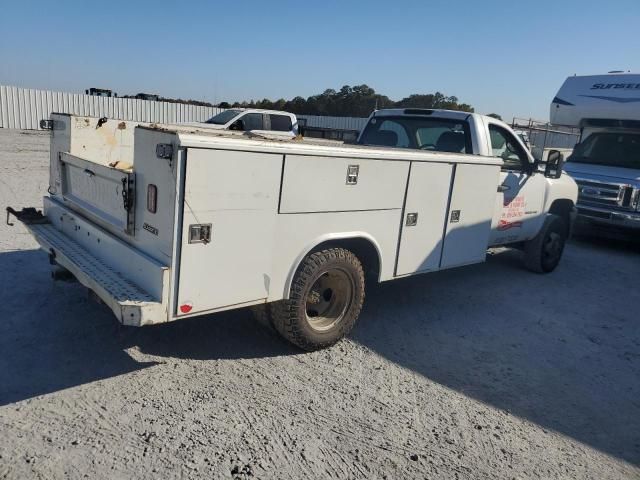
x=503, y=188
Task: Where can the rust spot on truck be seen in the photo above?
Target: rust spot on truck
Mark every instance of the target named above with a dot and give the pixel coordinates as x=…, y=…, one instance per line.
x=122, y=126
x=108, y=137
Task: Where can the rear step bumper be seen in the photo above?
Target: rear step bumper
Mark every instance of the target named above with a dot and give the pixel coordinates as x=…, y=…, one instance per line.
x=130, y=303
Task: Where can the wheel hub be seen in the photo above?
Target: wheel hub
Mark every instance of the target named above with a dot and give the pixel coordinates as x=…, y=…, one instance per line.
x=553, y=246
x=314, y=297
x=328, y=299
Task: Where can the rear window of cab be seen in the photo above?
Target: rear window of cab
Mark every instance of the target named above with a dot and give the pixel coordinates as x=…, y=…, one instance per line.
x=429, y=134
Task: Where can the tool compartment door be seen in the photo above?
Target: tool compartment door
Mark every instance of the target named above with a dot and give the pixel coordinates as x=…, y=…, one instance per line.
x=471, y=208
x=425, y=212
x=235, y=194
x=331, y=184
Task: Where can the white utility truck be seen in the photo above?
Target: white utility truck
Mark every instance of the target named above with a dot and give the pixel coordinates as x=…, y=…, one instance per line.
x=606, y=161
x=273, y=122
x=164, y=222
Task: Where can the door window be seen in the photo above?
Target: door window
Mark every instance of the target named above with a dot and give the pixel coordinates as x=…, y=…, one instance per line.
x=280, y=123
x=252, y=121
x=505, y=146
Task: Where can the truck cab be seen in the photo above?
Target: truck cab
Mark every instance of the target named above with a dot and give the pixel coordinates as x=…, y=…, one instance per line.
x=606, y=161
x=523, y=194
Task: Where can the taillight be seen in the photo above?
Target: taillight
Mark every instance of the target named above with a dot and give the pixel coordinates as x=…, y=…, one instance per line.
x=152, y=198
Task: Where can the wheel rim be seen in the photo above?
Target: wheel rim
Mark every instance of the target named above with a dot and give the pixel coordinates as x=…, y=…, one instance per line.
x=328, y=299
x=552, y=249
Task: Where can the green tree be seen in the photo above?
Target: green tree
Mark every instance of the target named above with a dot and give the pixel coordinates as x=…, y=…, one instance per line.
x=355, y=101
x=433, y=100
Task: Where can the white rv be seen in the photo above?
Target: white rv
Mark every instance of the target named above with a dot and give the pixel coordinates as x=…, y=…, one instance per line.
x=606, y=161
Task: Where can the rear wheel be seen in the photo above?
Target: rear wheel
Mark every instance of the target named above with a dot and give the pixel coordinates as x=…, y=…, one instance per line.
x=325, y=300
x=544, y=251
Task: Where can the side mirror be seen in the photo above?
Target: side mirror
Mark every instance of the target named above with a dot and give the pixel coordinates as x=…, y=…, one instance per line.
x=555, y=162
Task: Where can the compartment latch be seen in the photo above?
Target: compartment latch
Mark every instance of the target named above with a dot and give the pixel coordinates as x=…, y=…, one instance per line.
x=200, y=233
x=352, y=174
x=164, y=150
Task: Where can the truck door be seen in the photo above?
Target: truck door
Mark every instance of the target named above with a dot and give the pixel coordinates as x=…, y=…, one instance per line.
x=518, y=210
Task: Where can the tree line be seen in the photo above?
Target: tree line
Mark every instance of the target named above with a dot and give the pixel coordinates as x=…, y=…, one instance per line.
x=356, y=101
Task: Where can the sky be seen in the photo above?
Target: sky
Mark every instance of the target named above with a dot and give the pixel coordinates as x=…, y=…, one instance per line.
x=506, y=57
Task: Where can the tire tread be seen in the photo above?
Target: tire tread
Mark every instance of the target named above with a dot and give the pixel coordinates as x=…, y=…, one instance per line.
x=284, y=313
x=533, y=248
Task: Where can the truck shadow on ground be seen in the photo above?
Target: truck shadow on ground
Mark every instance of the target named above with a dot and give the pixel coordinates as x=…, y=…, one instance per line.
x=618, y=241
x=519, y=342
x=553, y=349
x=52, y=336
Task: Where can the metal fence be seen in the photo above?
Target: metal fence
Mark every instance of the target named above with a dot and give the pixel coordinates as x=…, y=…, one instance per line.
x=23, y=108
x=543, y=135
x=336, y=123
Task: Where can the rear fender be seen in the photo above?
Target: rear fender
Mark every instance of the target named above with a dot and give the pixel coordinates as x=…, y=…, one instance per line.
x=334, y=240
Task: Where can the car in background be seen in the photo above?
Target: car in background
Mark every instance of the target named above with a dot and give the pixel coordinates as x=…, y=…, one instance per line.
x=273, y=122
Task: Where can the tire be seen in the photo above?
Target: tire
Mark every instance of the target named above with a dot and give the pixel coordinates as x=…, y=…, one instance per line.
x=542, y=254
x=325, y=300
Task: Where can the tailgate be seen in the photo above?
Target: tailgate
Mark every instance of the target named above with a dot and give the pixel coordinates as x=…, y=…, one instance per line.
x=101, y=192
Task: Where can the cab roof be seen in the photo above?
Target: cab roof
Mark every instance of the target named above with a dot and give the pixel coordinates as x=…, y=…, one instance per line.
x=262, y=110
x=436, y=112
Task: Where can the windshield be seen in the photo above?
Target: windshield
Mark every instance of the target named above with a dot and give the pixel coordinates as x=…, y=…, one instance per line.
x=609, y=148
x=223, y=117
x=435, y=134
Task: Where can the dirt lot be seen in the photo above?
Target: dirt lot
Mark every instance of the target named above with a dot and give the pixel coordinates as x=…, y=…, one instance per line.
x=482, y=372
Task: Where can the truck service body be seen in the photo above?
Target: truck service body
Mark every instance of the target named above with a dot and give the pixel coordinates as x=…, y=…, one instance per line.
x=606, y=161
x=164, y=222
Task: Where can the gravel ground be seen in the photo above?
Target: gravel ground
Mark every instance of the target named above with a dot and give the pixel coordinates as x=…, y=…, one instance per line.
x=487, y=371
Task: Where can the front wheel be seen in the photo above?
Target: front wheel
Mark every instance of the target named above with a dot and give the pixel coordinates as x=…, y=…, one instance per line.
x=544, y=251
x=326, y=297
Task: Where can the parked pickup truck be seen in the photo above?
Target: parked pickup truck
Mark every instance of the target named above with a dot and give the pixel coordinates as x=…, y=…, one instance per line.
x=254, y=120
x=164, y=222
